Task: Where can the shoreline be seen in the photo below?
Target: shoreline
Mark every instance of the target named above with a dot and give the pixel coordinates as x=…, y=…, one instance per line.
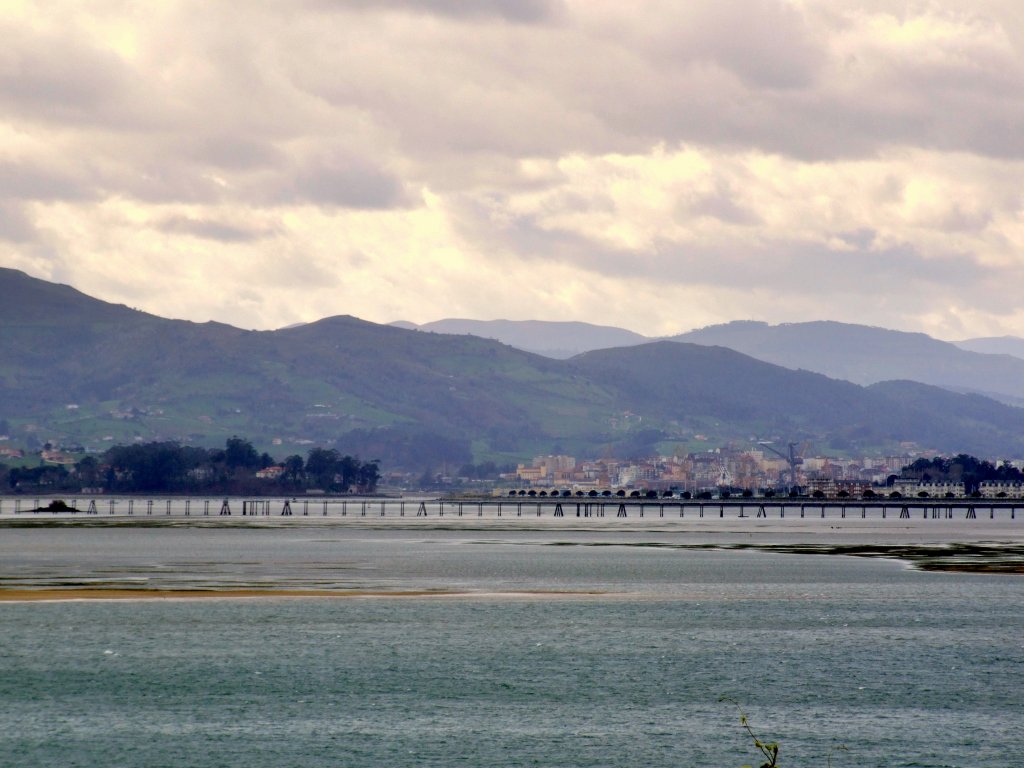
x=70, y=594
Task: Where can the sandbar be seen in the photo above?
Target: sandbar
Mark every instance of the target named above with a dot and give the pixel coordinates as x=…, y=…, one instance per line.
x=16, y=595
x=93, y=593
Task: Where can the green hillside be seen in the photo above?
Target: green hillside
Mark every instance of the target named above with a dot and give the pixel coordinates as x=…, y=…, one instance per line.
x=83, y=371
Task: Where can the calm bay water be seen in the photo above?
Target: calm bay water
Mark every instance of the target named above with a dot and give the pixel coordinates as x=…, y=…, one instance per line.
x=906, y=668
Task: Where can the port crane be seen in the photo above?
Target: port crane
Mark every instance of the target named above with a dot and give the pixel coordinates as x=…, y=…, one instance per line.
x=793, y=457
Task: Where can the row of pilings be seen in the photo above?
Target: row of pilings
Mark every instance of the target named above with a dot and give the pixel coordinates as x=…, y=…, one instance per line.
x=516, y=507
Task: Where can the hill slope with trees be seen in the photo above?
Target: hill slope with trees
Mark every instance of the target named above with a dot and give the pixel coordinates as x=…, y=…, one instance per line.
x=79, y=370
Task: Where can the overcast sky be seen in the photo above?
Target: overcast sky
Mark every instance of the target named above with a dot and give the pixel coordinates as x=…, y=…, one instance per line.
x=658, y=165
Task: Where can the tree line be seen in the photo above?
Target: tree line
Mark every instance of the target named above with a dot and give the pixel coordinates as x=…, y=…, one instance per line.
x=962, y=469
x=169, y=467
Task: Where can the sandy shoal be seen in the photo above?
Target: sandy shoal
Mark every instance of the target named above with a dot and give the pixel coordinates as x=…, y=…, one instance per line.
x=16, y=595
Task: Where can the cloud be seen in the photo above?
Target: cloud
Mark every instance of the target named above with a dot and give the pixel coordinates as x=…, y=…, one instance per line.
x=346, y=182
x=231, y=152
x=521, y=11
x=684, y=164
x=26, y=180
x=55, y=77
x=213, y=230
x=15, y=224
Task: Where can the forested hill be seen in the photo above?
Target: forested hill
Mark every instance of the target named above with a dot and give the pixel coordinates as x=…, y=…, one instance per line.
x=80, y=370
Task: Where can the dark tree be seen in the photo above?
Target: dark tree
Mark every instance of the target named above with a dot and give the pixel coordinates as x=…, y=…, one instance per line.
x=322, y=466
x=239, y=453
x=293, y=469
x=88, y=471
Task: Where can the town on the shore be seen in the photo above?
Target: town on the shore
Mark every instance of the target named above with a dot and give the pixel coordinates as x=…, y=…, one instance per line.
x=766, y=470
x=760, y=469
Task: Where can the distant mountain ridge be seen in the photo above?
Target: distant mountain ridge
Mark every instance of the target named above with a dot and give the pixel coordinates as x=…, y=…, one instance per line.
x=859, y=353
x=867, y=355
x=560, y=340
x=77, y=369
x=995, y=345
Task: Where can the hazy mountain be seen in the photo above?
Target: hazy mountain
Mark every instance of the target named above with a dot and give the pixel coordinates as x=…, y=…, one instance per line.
x=559, y=340
x=866, y=355
x=77, y=369
x=995, y=345
x=728, y=387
